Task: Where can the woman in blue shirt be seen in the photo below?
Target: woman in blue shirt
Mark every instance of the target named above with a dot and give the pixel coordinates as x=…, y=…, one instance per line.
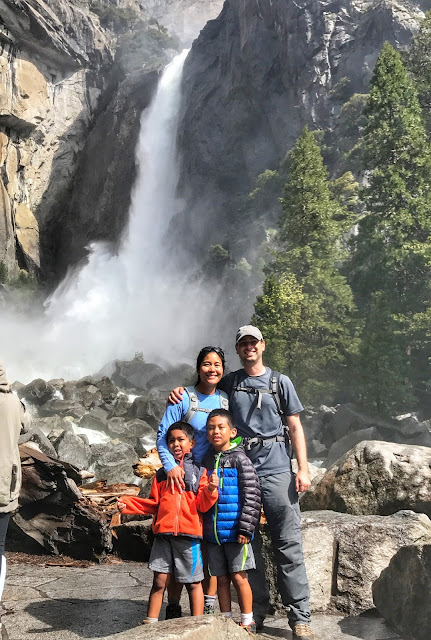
x=197, y=402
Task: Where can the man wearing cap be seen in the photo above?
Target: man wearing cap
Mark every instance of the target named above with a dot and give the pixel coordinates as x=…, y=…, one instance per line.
x=258, y=420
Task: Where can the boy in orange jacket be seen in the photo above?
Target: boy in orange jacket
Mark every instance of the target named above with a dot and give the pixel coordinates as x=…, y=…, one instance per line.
x=177, y=522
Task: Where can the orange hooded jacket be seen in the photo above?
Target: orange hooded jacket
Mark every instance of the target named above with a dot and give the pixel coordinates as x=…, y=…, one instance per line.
x=177, y=514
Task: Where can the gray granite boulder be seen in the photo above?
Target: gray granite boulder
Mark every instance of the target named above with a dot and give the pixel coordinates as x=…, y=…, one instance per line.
x=73, y=449
x=113, y=461
x=345, y=554
x=402, y=592
x=375, y=478
x=135, y=374
x=37, y=392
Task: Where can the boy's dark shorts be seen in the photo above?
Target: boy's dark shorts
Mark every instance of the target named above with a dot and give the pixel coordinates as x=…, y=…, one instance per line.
x=230, y=557
x=177, y=555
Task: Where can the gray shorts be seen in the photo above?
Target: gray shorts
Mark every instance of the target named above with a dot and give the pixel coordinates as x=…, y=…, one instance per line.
x=230, y=557
x=177, y=555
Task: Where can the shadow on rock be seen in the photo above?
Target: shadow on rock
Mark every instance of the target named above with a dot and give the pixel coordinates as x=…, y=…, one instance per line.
x=368, y=625
x=87, y=618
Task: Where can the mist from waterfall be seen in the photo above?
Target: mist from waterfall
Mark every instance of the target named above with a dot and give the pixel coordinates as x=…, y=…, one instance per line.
x=133, y=300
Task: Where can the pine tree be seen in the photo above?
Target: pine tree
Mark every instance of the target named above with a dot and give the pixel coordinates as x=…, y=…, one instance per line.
x=306, y=306
x=419, y=65
x=392, y=249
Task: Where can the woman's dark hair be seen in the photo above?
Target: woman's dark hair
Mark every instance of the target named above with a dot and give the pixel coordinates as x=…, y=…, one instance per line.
x=204, y=352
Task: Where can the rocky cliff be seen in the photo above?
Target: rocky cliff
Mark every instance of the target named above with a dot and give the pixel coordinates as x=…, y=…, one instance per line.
x=51, y=53
x=261, y=71
x=75, y=77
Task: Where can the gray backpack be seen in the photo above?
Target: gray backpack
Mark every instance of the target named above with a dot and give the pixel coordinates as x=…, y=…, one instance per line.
x=194, y=404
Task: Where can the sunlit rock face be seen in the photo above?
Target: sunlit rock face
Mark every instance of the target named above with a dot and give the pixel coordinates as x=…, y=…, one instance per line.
x=50, y=56
x=261, y=71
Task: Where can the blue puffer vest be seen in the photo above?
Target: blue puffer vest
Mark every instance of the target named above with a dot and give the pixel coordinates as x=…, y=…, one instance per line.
x=237, y=509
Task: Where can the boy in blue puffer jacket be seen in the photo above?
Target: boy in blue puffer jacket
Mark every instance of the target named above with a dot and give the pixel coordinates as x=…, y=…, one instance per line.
x=229, y=525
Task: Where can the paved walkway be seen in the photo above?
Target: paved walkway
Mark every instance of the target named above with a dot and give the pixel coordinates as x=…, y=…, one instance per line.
x=71, y=603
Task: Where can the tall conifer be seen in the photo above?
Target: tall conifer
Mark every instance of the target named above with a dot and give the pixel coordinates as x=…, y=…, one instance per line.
x=392, y=249
x=306, y=306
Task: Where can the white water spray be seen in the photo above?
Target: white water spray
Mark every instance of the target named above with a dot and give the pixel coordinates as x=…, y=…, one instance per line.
x=134, y=300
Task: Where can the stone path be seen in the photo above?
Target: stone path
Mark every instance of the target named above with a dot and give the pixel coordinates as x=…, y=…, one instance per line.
x=95, y=603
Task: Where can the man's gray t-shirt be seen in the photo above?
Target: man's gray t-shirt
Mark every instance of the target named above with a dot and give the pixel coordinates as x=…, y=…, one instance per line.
x=268, y=458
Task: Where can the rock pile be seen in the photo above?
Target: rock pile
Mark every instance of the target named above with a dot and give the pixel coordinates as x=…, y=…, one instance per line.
x=101, y=423
x=332, y=431
x=369, y=511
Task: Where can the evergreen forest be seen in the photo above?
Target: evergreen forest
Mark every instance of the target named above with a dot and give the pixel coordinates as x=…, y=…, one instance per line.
x=346, y=301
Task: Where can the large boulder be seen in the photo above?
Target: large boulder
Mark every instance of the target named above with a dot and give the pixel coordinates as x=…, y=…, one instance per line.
x=375, y=478
x=58, y=407
x=37, y=392
x=96, y=419
x=113, y=461
x=347, y=442
x=130, y=430
x=402, y=592
x=148, y=409
x=39, y=439
x=73, y=449
x=196, y=628
x=135, y=374
x=345, y=554
x=107, y=389
x=133, y=540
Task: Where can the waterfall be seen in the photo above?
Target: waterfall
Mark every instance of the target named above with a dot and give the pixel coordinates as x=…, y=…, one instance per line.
x=135, y=299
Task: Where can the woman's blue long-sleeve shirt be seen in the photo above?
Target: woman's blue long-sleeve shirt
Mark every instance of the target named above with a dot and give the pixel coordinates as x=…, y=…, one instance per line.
x=176, y=412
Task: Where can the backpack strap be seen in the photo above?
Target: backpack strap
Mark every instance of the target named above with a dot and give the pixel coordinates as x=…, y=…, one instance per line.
x=224, y=400
x=193, y=406
x=275, y=390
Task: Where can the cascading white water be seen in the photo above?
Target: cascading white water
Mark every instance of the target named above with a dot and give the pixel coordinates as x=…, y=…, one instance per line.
x=134, y=300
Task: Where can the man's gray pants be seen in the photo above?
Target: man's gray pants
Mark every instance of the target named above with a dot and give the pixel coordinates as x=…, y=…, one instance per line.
x=280, y=504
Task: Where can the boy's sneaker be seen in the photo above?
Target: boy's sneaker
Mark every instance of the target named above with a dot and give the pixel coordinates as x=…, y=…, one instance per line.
x=173, y=610
x=209, y=610
x=302, y=631
x=250, y=628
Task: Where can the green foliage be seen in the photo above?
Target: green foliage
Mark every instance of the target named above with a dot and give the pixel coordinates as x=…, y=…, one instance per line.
x=345, y=191
x=390, y=268
x=342, y=91
x=112, y=17
x=382, y=363
x=308, y=208
x=25, y=281
x=306, y=306
x=3, y=273
x=139, y=356
x=341, y=145
x=419, y=65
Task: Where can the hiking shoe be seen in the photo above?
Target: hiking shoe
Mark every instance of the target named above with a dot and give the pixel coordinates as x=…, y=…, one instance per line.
x=209, y=610
x=302, y=631
x=173, y=610
x=250, y=628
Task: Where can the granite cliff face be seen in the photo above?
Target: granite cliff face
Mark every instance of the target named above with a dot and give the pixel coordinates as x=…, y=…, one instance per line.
x=261, y=71
x=75, y=77
x=51, y=53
